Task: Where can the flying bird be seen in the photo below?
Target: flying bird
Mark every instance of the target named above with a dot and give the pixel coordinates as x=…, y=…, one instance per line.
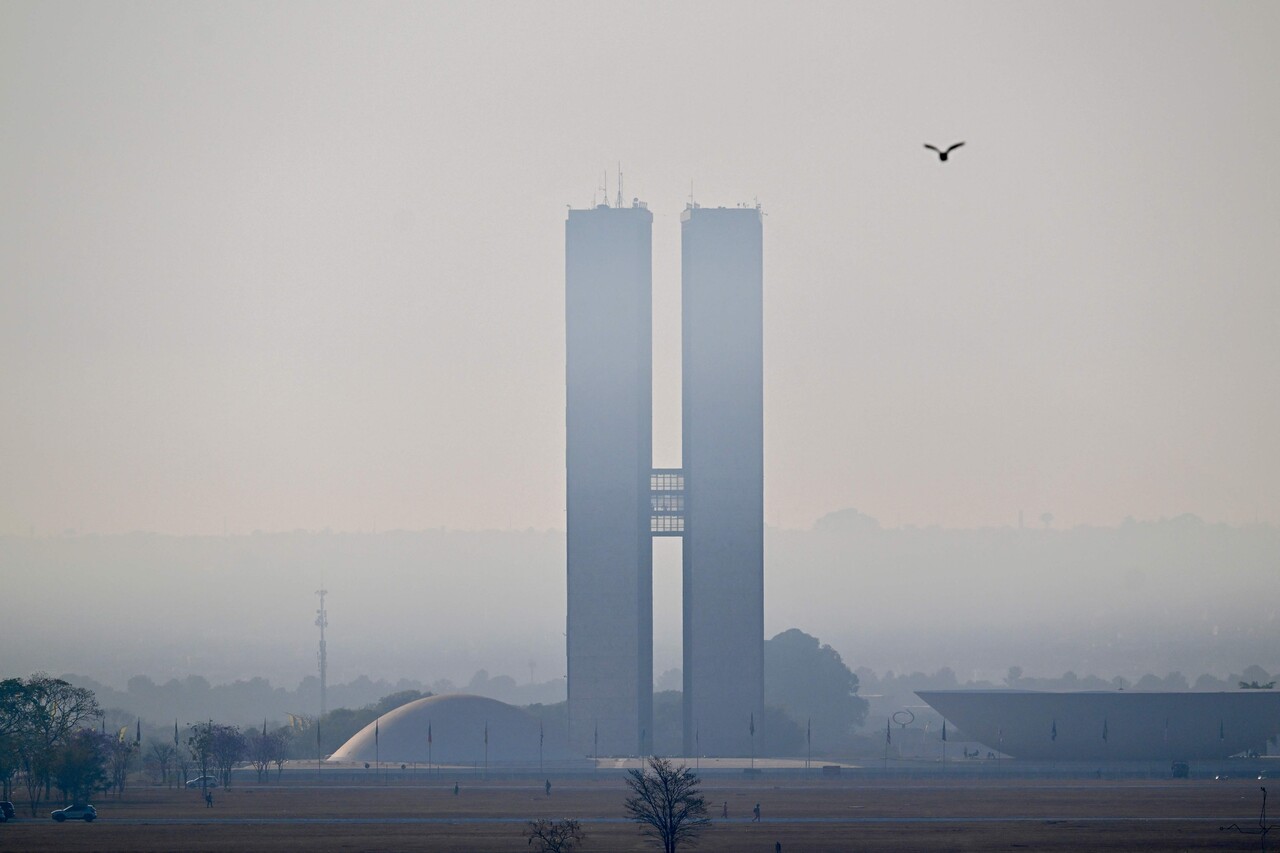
x=942, y=155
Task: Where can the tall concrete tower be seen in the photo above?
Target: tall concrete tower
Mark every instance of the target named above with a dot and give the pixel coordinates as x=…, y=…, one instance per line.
x=617, y=502
x=723, y=434
x=609, y=426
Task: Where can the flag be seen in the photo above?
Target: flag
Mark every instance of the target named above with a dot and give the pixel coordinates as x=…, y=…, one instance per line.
x=1104, y=728
x=375, y=734
x=944, y=731
x=1000, y=735
x=175, y=734
x=1222, y=732
x=808, y=733
x=541, y=734
x=428, y=733
x=138, y=739
x=486, y=732
x=1166, y=729
x=753, y=723
x=1053, y=733
x=264, y=726
x=888, y=733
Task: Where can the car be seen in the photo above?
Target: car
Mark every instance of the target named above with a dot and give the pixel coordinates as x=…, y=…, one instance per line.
x=203, y=782
x=86, y=813
x=1181, y=770
x=1269, y=774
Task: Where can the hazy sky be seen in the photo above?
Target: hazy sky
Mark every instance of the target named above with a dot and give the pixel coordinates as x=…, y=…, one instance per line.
x=288, y=266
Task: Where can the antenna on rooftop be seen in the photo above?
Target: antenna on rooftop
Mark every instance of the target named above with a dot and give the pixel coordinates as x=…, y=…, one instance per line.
x=619, y=204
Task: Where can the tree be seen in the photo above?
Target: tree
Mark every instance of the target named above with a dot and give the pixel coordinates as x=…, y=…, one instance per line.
x=50, y=711
x=665, y=802
x=281, y=743
x=12, y=703
x=810, y=682
x=228, y=747
x=554, y=836
x=161, y=755
x=120, y=752
x=267, y=747
x=200, y=745
x=260, y=750
x=79, y=764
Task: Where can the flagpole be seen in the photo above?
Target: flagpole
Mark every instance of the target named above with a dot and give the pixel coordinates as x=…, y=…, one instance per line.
x=808, y=738
x=888, y=738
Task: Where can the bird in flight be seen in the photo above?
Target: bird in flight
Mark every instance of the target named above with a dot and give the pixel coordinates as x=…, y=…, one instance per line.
x=942, y=155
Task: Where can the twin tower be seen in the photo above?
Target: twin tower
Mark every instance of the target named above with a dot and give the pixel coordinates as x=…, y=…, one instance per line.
x=617, y=500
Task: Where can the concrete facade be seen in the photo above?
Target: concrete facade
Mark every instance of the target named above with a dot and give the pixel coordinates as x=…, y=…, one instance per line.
x=617, y=501
x=722, y=317
x=609, y=427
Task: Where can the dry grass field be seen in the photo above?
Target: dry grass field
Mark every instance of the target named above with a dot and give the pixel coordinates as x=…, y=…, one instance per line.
x=937, y=814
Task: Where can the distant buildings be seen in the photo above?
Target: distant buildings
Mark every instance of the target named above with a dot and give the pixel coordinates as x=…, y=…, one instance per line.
x=617, y=501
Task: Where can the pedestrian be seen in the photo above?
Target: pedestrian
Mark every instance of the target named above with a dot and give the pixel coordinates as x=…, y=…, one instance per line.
x=548, y=787
x=777, y=847
x=724, y=813
x=208, y=798
x=756, y=812
x=455, y=789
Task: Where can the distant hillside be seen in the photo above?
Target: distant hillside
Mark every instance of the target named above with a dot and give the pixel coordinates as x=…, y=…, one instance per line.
x=1175, y=594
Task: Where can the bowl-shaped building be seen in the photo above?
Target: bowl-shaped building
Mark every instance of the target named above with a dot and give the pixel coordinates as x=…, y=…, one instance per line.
x=1112, y=725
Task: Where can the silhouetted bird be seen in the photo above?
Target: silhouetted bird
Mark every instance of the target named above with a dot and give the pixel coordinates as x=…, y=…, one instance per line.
x=942, y=155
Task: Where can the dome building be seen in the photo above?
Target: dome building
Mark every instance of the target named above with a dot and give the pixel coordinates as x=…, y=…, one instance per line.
x=455, y=729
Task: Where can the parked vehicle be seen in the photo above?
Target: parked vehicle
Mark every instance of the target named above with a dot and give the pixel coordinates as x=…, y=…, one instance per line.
x=203, y=782
x=6, y=808
x=85, y=813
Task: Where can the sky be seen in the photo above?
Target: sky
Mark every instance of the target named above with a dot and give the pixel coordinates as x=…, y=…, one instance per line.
x=278, y=266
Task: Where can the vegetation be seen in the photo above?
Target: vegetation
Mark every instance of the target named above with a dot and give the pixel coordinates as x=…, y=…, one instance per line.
x=810, y=682
x=665, y=802
x=554, y=836
x=40, y=718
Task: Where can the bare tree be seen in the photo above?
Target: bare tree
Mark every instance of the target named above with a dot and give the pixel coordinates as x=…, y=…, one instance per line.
x=201, y=746
x=280, y=746
x=554, y=836
x=229, y=747
x=261, y=750
x=161, y=756
x=120, y=752
x=665, y=802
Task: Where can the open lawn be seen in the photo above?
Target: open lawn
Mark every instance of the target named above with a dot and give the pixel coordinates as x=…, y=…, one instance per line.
x=804, y=814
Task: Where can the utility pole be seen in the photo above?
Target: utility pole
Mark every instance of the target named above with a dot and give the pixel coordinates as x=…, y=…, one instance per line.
x=322, y=622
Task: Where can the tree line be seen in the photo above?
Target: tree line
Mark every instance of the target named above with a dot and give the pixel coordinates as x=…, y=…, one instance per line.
x=50, y=739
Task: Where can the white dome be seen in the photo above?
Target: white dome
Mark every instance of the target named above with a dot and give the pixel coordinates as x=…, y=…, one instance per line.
x=457, y=724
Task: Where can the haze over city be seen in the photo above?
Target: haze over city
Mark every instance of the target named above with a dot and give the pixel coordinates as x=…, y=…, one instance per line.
x=298, y=271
